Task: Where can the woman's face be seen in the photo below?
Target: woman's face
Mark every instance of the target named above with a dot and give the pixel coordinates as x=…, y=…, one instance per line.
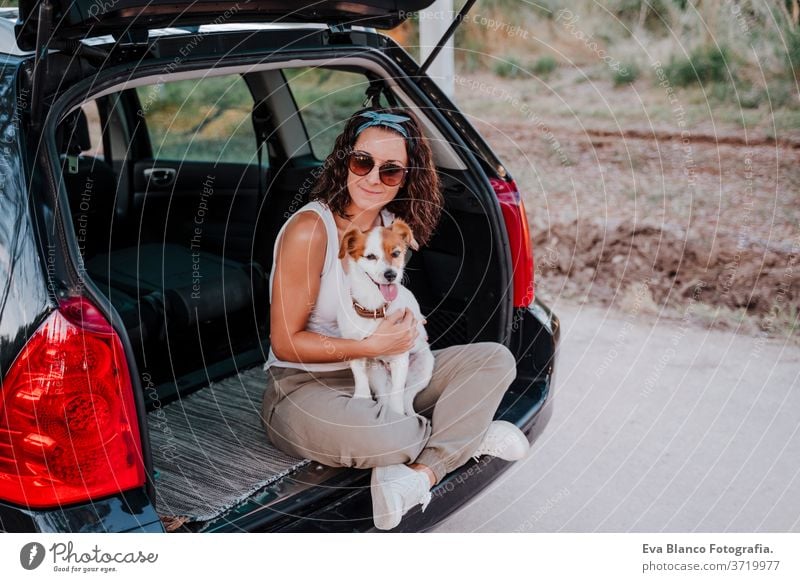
x=368, y=192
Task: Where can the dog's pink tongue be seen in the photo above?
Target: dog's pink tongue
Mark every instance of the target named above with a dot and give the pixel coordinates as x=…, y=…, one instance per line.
x=389, y=292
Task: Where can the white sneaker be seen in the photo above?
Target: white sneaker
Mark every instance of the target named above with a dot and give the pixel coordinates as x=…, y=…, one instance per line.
x=396, y=489
x=503, y=440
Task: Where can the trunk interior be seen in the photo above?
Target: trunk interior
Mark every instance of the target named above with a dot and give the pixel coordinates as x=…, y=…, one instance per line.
x=182, y=248
x=211, y=411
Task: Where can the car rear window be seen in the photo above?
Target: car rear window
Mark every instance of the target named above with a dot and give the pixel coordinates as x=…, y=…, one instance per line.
x=204, y=120
x=325, y=99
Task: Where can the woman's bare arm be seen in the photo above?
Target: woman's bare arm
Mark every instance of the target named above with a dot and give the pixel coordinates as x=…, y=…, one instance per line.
x=295, y=287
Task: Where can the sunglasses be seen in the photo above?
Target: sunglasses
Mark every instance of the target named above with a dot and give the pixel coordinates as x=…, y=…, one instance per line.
x=361, y=164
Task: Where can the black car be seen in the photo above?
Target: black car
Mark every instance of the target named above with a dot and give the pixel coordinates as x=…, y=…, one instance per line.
x=151, y=151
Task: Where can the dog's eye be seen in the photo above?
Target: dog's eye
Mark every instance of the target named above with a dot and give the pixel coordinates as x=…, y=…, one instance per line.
x=371, y=257
x=396, y=254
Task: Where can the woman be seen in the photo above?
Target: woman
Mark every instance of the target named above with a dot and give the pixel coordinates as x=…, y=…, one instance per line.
x=381, y=165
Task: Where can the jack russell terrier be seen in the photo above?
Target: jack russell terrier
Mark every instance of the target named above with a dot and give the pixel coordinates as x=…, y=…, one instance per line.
x=374, y=262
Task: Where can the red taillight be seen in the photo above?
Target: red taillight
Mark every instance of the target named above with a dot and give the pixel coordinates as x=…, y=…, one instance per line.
x=68, y=424
x=519, y=238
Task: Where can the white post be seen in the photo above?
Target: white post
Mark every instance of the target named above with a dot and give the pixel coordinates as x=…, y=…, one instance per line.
x=433, y=23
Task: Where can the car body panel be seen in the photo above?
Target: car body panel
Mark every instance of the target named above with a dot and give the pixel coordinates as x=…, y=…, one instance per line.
x=24, y=297
x=128, y=512
x=76, y=19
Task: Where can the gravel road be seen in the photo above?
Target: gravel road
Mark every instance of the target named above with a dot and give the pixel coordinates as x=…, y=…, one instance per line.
x=658, y=425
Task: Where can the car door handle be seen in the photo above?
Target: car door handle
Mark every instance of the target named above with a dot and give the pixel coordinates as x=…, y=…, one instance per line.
x=160, y=177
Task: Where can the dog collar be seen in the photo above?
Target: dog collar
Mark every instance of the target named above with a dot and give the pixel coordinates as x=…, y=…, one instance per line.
x=371, y=313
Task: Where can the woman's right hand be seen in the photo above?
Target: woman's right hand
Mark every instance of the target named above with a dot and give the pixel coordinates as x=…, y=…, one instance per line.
x=397, y=333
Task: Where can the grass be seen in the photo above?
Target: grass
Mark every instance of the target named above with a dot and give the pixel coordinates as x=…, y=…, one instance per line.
x=544, y=66
x=786, y=119
x=752, y=43
x=793, y=54
x=201, y=119
x=509, y=68
x=705, y=65
x=326, y=99
x=210, y=119
x=649, y=14
x=625, y=74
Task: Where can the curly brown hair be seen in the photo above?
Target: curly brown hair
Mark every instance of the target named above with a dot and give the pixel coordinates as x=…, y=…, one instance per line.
x=419, y=201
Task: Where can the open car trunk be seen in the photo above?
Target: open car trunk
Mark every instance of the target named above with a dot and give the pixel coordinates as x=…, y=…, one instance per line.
x=192, y=294
x=186, y=267
x=210, y=449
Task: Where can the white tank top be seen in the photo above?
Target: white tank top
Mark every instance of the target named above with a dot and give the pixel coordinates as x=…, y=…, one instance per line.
x=332, y=288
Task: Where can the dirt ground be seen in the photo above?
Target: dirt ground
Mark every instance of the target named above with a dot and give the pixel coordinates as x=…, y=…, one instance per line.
x=650, y=208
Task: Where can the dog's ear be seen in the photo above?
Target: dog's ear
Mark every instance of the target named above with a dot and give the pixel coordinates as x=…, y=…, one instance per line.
x=352, y=239
x=401, y=227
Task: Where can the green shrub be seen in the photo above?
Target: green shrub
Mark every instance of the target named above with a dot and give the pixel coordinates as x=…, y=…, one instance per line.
x=751, y=98
x=705, y=65
x=722, y=92
x=780, y=94
x=471, y=50
x=793, y=54
x=546, y=9
x=544, y=65
x=509, y=68
x=631, y=11
x=469, y=62
x=625, y=74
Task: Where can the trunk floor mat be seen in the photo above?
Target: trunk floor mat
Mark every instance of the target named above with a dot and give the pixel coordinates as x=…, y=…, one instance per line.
x=211, y=451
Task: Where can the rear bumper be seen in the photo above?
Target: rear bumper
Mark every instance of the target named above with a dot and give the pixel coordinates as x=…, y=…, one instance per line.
x=130, y=512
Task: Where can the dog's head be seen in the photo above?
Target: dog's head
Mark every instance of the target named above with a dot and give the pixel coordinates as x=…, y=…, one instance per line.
x=380, y=253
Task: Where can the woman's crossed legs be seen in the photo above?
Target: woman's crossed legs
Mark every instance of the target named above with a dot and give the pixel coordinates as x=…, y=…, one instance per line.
x=312, y=415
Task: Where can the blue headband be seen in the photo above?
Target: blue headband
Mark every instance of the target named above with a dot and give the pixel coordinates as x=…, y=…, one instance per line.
x=386, y=119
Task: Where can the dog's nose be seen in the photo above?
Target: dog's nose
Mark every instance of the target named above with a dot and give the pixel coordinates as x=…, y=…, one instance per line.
x=390, y=275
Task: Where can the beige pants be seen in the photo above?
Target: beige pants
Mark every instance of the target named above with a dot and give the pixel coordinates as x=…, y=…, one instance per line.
x=312, y=414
